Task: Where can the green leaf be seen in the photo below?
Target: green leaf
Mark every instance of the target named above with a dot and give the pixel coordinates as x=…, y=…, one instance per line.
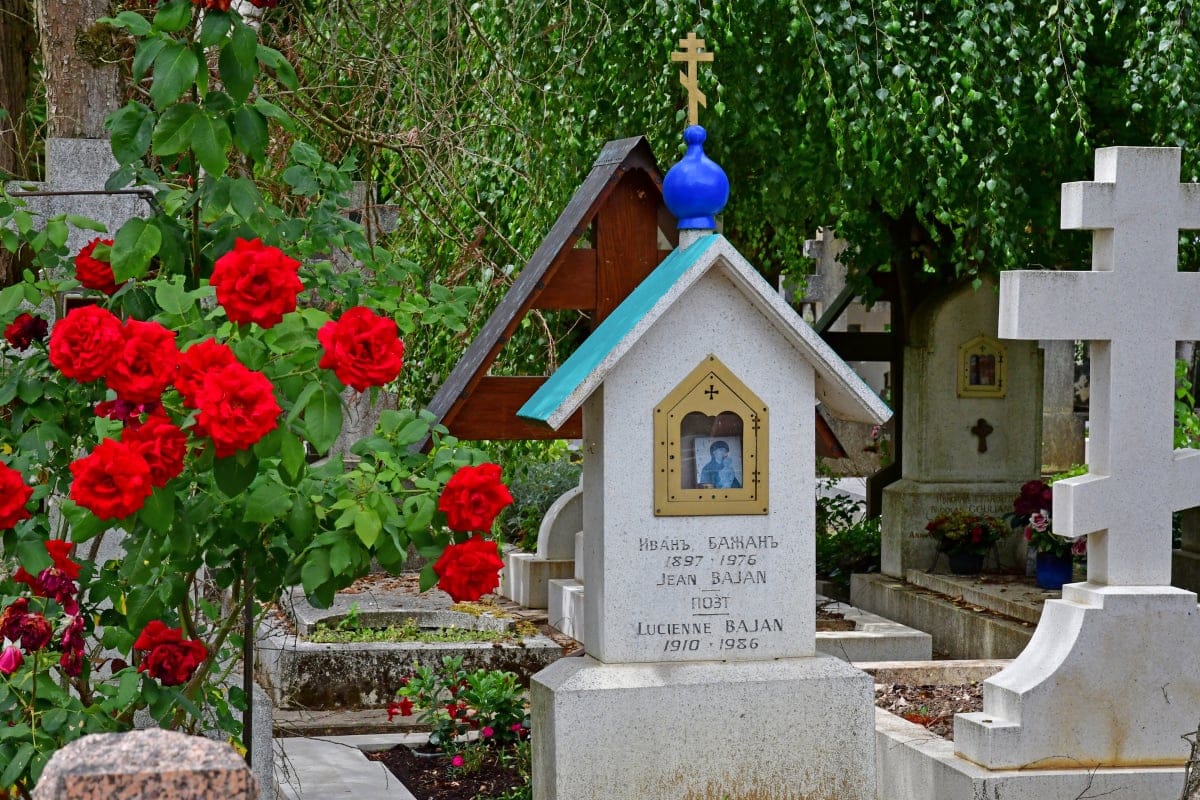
x=137, y=242
x=173, y=133
x=17, y=765
x=56, y=232
x=127, y=689
x=340, y=557
x=174, y=71
x=291, y=454
x=143, y=57
x=301, y=179
x=413, y=432
x=33, y=556
x=132, y=127
x=250, y=132
x=235, y=473
x=315, y=570
x=236, y=64
x=245, y=199
x=215, y=26
x=272, y=111
x=210, y=141
x=367, y=526
x=131, y=21
x=429, y=578
x=172, y=298
x=86, y=223
x=84, y=524
x=173, y=16
x=306, y=154
x=323, y=419
x=158, y=512
x=276, y=61
x=267, y=503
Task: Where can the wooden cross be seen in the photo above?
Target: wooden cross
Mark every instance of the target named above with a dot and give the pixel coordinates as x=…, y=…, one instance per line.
x=693, y=53
x=982, y=429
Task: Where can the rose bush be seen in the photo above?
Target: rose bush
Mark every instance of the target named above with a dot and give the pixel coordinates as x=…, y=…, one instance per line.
x=194, y=401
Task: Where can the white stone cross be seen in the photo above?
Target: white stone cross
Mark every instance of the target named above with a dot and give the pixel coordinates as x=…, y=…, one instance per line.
x=1132, y=306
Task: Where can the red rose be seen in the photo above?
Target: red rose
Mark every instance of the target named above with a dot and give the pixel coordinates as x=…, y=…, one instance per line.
x=12, y=617
x=57, y=581
x=162, y=443
x=125, y=411
x=112, y=482
x=169, y=658
x=14, y=494
x=256, y=283
x=362, y=348
x=469, y=570
x=194, y=365
x=25, y=330
x=32, y=630
x=473, y=497
x=237, y=408
x=144, y=365
x=83, y=343
x=11, y=661
x=92, y=272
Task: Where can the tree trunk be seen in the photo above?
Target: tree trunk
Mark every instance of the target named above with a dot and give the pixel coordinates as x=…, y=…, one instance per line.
x=18, y=40
x=81, y=89
x=18, y=43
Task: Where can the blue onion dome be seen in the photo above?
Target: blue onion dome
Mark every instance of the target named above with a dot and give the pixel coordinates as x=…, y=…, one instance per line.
x=696, y=188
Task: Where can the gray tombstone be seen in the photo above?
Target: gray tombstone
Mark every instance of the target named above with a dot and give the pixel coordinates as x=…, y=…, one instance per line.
x=969, y=399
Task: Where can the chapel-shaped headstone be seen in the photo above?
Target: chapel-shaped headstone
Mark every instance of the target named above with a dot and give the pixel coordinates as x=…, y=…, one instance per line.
x=972, y=406
x=1109, y=677
x=698, y=501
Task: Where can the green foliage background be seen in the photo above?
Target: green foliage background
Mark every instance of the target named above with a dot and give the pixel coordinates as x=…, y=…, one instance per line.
x=932, y=135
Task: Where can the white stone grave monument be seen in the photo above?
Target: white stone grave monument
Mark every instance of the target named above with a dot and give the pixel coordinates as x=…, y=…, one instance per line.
x=701, y=677
x=1109, y=678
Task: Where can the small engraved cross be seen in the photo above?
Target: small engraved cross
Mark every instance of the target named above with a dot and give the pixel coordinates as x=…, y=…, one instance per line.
x=982, y=429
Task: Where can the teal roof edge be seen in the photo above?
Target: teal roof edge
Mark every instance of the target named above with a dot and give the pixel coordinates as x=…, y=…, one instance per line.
x=624, y=318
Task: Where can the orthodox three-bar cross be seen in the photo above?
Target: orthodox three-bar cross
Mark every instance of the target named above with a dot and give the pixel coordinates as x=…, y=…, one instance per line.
x=1133, y=306
x=693, y=53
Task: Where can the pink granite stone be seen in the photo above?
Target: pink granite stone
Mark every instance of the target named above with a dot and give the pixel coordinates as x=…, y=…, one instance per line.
x=146, y=765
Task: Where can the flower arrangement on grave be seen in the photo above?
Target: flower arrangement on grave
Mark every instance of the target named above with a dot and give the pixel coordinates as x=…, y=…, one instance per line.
x=468, y=712
x=963, y=532
x=189, y=396
x=1031, y=515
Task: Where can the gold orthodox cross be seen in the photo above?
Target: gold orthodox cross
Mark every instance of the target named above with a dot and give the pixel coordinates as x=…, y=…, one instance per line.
x=693, y=53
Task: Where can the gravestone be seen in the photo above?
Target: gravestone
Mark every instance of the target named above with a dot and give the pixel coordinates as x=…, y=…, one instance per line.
x=698, y=502
x=527, y=577
x=968, y=402
x=1062, y=428
x=1109, y=676
x=167, y=765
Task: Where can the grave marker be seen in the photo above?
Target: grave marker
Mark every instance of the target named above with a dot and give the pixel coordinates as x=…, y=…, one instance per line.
x=1108, y=678
x=698, y=502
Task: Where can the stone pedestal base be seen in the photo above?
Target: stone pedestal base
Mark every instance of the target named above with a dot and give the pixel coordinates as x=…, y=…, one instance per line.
x=1108, y=679
x=908, y=506
x=526, y=578
x=695, y=731
x=565, y=607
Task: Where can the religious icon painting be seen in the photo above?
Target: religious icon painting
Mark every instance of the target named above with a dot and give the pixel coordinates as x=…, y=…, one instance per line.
x=710, y=446
x=981, y=368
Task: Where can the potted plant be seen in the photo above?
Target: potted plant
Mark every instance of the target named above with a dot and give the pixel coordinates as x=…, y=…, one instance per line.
x=1055, y=554
x=965, y=538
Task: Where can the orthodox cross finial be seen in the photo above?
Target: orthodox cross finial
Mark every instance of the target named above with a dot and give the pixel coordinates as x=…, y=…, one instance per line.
x=693, y=53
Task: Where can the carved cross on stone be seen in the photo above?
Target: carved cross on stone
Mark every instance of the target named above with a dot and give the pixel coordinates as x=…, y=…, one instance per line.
x=982, y=429
x=1132, y=306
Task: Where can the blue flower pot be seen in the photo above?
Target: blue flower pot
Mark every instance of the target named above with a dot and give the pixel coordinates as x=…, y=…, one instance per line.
x=1053, y=571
